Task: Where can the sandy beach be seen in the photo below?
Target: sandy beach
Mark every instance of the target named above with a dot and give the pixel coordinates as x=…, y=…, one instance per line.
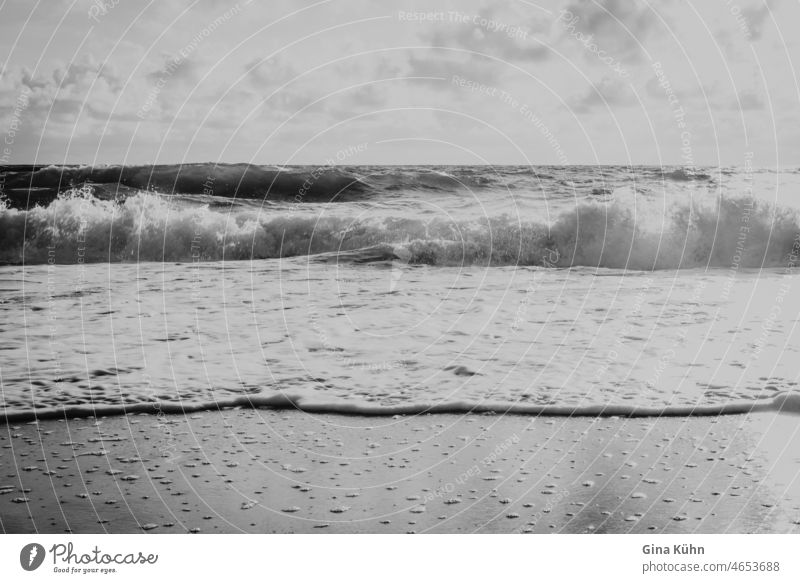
x=265, y=471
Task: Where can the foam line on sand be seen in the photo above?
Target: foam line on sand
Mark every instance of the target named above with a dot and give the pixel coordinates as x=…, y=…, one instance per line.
x=785, y=402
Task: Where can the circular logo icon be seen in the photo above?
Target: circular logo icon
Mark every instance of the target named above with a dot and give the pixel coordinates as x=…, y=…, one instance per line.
x=31, y=556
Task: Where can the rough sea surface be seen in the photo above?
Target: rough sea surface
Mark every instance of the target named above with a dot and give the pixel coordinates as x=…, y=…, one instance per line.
x=571, y=287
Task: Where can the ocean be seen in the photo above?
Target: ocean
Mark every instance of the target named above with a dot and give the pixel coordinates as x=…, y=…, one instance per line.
x=397, y=289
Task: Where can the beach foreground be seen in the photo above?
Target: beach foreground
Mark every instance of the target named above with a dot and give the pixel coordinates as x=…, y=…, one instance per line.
x=276, y=471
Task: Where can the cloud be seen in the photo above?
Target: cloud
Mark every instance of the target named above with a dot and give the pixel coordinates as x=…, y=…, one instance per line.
x=66, y=91
x=445, y=65
x=748, y=100
x=269, y=73
x=607, y=93
x=620, y=27
x=176, y=69
x=755, y=16
x=489, y=33
x=356, y=101
x=685, y=89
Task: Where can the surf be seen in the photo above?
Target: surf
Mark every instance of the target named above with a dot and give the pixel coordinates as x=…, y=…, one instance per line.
x=716, y=232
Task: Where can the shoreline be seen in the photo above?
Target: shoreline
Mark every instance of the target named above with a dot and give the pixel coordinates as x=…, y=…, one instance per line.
x=247, y=470
x=784, y=402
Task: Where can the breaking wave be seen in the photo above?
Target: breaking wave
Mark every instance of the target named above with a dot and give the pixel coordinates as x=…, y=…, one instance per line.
x=715, y=232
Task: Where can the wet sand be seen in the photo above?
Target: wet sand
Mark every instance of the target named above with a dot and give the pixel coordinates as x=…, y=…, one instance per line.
x=276, y=471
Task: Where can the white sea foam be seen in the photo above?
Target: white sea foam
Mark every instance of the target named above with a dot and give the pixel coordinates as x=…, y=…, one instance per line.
x=712, y=232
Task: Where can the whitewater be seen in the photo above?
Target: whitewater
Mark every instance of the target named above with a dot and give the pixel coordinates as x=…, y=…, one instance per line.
x=581, y=290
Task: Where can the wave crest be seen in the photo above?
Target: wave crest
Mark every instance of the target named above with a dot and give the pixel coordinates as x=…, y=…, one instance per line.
x=722, y=232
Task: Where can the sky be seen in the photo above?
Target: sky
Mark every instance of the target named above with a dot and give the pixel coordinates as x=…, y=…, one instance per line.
x=711, y=82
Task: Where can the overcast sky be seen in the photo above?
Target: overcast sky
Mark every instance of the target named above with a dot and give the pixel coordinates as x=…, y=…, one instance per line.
x=367, y=82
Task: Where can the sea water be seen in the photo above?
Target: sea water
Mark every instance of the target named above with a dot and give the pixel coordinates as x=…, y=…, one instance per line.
x=397, y=289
